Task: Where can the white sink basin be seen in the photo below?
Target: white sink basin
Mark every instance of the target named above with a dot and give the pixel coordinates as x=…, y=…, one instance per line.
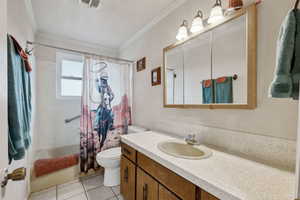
x=182, y=150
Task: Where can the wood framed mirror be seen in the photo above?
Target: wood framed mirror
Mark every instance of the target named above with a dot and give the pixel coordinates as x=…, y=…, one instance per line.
x=215, y=68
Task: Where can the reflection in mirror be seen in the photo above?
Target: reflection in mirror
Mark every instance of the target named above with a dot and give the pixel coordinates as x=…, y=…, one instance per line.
x=215, y=68
x=174, y=76
x=197, y=68
x=229, y=59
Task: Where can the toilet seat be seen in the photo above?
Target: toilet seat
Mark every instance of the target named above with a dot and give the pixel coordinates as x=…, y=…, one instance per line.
x=110, y=154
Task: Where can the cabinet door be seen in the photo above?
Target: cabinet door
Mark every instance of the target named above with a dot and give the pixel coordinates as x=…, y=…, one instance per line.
x=177, y=184
x=207, y=196
x=147, y=187
x=128, y=175
x=165, y=194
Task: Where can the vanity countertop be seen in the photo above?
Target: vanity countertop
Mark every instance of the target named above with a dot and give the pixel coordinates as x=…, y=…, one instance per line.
x=226, y=176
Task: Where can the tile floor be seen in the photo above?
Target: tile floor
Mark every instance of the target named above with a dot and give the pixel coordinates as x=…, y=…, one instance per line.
x=87, y=188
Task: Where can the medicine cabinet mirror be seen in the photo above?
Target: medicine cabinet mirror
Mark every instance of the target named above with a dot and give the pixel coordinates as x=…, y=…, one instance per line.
x=215, y=68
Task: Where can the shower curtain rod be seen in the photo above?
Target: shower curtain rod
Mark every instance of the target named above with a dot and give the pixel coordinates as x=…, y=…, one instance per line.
x=77, y=51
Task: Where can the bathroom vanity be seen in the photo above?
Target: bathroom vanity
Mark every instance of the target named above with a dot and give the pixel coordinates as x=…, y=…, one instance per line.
x=147, y=173
x=148, y=180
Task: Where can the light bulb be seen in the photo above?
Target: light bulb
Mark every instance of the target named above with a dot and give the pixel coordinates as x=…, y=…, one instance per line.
x=182, y=31
x=216, y=13
x=197, y=24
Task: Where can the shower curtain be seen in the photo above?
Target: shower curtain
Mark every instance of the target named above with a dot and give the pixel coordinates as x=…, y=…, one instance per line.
x=105, y=109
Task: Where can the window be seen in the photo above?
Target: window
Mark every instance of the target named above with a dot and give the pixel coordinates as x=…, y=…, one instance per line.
x=69, y=76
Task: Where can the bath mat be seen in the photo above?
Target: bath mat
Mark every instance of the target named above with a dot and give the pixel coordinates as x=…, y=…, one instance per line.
x=46, y=166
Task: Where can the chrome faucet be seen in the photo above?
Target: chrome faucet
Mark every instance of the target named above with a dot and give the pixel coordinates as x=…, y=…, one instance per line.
x=191, y=139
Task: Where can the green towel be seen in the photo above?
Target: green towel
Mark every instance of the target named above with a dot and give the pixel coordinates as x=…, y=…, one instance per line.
x=287, y=73
x=296, y=63
x=19, y=104
x=224, y=90
x=208, y=91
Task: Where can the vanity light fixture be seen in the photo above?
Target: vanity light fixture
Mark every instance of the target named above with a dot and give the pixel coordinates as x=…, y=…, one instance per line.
x=216, y=14
x=197, y=24
x=182, y=31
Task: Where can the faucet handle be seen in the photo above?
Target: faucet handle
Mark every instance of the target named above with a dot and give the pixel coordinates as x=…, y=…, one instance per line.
x=191, y=139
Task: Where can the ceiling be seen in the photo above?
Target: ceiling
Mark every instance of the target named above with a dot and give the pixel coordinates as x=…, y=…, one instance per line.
x=115, y=22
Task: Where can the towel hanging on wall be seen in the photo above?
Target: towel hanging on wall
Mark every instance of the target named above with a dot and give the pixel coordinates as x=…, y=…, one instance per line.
x=223, y=90
x=208, y=91
x=19, y=100
x=287, y=74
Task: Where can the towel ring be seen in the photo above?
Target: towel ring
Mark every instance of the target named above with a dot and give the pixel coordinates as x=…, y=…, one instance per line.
x=296, y=4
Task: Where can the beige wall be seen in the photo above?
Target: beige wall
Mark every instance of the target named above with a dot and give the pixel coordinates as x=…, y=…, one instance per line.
x=274, y=118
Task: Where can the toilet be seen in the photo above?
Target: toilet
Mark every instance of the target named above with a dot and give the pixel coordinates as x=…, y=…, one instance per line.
x=110, y=160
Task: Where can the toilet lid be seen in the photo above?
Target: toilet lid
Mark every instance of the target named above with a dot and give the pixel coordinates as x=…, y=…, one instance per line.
x=110, y=153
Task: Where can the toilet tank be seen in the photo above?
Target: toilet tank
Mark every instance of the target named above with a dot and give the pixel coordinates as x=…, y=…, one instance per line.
x=136, y=129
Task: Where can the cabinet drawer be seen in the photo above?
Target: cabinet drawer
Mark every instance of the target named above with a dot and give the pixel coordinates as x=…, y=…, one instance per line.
x=207, y=196
x=128, y=179
x=129, y=152
x=165, y=194
x=175, y=183
x=146, y=187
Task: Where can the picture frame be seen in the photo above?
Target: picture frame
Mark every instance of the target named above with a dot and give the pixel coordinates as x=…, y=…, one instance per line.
x=156, y=76
x=141, y=64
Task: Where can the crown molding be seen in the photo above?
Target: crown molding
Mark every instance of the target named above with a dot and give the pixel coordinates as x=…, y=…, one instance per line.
x=29, y=10
x=163, y=13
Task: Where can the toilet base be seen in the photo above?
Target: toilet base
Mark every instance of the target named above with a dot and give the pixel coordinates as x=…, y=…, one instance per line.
x=111, y=177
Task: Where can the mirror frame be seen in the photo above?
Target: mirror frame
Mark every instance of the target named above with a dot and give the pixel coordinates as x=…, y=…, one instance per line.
x=251, y=29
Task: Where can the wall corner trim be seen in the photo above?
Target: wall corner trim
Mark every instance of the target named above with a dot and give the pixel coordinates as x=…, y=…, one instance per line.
x=29, y=10
x=163, y=13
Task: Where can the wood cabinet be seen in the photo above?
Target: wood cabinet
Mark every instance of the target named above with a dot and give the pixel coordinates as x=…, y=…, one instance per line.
x=144, y=179
x=128, y=179
x=207, y=196
x=129, y=152
x=165, y=194
x=146, y=187
x=180, y=186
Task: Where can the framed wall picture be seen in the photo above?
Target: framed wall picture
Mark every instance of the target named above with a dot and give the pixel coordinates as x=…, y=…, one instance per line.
x=141, y=64
x=156, y=76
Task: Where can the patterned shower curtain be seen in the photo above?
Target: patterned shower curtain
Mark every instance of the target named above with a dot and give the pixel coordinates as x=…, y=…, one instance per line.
x=105, y=109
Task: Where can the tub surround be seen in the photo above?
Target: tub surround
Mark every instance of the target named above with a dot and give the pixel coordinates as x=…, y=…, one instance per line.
x=225, y=176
